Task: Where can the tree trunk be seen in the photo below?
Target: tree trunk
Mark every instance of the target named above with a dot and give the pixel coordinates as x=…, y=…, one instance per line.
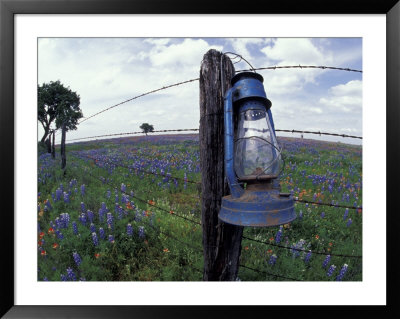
x=48, y=144
x=53, y=146
x=63, y=156
x=221, y=241
x=46, y=133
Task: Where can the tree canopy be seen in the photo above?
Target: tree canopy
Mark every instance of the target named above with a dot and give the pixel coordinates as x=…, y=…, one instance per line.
x=57, y=104
x=146, y=128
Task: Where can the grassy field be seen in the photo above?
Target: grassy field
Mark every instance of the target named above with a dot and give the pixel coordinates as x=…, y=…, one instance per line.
x=128, y=209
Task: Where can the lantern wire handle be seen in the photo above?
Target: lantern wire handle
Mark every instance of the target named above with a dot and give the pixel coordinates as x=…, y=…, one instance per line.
x=241, y=58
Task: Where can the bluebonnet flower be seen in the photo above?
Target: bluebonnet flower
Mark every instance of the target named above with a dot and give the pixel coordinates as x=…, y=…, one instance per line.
x=95, y=239
x=301, y=214
x=63, y=277
x=111, y=239
x=326, y=261
x=92, y=228
x=59, y=235
x=64, y=220
x=83, y=219
x=322, y=214
x=45, y=279
x=185, y=181
x=307, y=258
x=38, y=208
x=116, y=198
x=331, y=270
x=75, y=190
x=83, y=208
x=342, y=272
x=90, y=216
x=102, y=233
x=123, y=188
x=272, y=259
x=278, y=235
x=77, y=258
x=48, y=205
x=66, y=198
x=141, y=232
x=129, y=230
x=75, y=228
x=349, y=222
x=110, y=221
x=297, y=247
x=58, y=194
x=70, y=274
x=108, y=195
x=61, y=187
x=83, y=188
x=346, y=213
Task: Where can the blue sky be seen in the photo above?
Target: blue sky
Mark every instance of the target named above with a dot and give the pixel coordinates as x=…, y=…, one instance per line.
x=106, y=71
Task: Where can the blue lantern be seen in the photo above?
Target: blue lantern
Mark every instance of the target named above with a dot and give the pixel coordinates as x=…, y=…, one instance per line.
x=252, y=157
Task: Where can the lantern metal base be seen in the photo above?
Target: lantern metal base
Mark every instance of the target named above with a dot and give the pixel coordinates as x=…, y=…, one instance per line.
x=258, y=208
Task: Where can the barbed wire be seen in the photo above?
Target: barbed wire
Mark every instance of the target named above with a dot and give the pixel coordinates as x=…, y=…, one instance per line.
x=267, y=273
x=319, y=133
x=301, y=67
x=327, y=204
x=137, y=132
x=196, y=79
x=300, y=249
x=196, y=129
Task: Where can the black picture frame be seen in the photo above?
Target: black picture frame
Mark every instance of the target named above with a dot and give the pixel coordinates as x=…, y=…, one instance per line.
x=8, y=8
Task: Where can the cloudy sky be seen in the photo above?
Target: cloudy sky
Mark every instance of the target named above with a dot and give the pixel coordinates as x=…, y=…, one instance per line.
x=107, y=71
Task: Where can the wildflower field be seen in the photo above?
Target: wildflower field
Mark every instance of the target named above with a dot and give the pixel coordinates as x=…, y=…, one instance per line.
x=128, y=209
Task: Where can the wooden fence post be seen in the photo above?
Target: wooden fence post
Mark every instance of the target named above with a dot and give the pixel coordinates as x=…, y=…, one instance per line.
x=221, y=241
x=63, y=156
x=53, y=146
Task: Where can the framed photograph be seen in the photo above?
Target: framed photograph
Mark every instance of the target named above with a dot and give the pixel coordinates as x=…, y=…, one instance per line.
x=366, y=31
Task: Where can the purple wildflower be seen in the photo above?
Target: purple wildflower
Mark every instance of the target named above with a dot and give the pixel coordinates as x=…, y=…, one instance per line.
x=272, y=259
x=92, y=228
x=95, y=239
x=83, y=189
x=342, y=272
x=83, y=208
x=90, y=215
x=111, y=239
x=141, y=232
x=75, y=228
x=70, y=274
x=278, y=236
x=123, y=188
x=77, y=258
x=326, y=261
x=102, y=233
x=346, y=213
x=307, y=258
x=331, y=270
x=110, y=221
x=349, y=222
x=129, y=230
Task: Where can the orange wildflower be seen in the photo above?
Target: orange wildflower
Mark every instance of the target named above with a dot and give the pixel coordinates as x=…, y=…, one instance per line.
x=41, y=235
x=96, y=255
x=171, y=212
x=151, y=202
x=316, y=237
x=43, y=253
x=246, y=248
x=51, y=230
x=271, y=239
x=269, y=251
x=166, y=250
x=55, y=245
x=330, y=244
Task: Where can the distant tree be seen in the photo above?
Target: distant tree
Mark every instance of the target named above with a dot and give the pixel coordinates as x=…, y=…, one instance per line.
x=146, y=128
x=57, y=104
